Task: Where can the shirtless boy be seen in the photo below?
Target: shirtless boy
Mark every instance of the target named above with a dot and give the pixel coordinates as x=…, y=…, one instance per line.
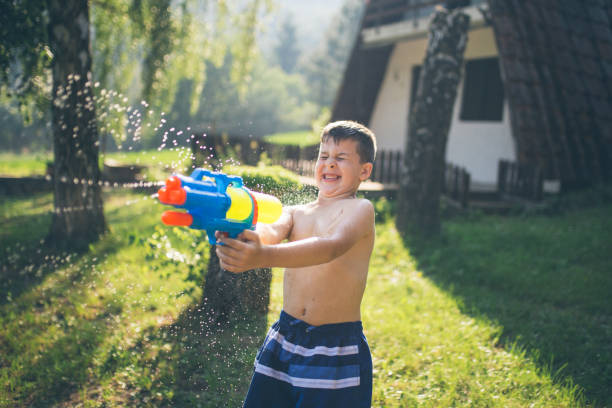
x=316, y=355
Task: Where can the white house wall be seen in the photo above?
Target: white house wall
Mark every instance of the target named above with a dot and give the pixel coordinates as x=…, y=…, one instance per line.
x=477, y=146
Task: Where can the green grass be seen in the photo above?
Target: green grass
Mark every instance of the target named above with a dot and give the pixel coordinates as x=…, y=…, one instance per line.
x=158, y=164
x=118, y=325
x=298, y=138
x=499, y=312
x=13, y=165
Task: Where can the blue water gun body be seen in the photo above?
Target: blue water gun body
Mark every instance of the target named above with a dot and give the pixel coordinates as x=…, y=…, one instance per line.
x=216, y=202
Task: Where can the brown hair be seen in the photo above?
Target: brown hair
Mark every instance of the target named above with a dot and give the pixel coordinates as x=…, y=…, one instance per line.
x=347, y=129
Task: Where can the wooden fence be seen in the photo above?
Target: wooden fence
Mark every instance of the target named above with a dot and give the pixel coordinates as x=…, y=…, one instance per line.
x=456, y=184
x=218, y=149
x=387, y=167
x=519, y=180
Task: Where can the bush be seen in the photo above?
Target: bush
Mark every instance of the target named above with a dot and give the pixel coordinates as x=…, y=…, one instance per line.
x=274, y=180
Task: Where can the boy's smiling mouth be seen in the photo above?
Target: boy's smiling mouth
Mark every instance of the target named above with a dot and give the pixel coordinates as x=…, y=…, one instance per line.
x=330, y=177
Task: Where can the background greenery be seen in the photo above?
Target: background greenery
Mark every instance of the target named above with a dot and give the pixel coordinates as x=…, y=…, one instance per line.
x=215, y=67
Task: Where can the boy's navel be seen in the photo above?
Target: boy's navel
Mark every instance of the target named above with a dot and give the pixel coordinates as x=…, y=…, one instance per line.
x=304, y=312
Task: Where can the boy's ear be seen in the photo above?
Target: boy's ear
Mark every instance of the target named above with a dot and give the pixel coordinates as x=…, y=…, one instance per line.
x=366, y=171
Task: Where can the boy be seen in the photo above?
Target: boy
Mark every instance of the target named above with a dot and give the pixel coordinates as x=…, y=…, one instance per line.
x=316, y=355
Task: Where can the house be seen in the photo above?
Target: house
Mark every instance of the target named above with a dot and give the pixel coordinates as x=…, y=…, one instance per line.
x=380, y=82
x=394, y=39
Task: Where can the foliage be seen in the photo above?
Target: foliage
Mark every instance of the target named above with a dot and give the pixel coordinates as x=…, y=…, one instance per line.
x=23, y=38
x=159, y=64
x=271, y=101
x=165, y=42
x=273, y=180
x=18, y=134
x=323, y=69
x=286, y=49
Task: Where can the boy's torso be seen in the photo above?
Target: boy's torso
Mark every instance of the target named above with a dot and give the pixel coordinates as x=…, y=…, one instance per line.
x=330, y=292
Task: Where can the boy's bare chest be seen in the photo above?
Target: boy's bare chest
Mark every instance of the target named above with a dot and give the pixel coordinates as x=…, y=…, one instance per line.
x=317, y=222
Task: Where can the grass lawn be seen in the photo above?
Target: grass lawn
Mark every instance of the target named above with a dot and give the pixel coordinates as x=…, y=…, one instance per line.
x=500, y=312
x=158, y=163
x=298, y=138
x=23, y=165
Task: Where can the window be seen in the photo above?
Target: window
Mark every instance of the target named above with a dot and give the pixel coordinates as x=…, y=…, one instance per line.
x=483, y=92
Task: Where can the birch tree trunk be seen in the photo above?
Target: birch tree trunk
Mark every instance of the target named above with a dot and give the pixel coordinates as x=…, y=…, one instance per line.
x=227, y=296
x=429, y=123
x=78, y=218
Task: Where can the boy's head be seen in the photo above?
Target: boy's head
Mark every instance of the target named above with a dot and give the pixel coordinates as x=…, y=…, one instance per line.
x=347, y=129
x=346, y=157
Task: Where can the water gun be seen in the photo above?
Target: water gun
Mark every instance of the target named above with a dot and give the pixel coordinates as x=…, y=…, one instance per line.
x=216, y=202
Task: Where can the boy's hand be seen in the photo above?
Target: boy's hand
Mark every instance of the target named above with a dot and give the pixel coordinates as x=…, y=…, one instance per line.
x=242, y=254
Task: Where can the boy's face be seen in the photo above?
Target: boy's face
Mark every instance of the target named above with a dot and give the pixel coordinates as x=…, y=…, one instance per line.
x=339, y=170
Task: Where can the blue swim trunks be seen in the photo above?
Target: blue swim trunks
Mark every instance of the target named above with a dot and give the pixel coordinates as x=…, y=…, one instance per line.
x=300, y=365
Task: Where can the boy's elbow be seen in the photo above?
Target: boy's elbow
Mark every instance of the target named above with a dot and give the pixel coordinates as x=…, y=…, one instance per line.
x=335, y=249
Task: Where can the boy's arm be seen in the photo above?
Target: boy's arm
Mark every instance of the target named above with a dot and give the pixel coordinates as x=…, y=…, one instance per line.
x=248, y=252
x=278, y=231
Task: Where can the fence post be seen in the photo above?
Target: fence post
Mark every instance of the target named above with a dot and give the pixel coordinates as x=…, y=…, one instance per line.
x=466, y=188
x=398, y=166
x=501, y=177
x=383, y=162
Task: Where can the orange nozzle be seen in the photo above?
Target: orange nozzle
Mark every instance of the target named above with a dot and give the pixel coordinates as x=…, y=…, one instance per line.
x=173, y=193
x=173, y=183
x=178, y=219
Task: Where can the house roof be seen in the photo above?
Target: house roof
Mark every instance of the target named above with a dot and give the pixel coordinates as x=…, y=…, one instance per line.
x=556, y=61
x=383, y=24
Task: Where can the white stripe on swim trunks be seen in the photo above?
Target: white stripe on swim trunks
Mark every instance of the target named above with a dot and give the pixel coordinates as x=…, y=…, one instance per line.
x=306, y=352
x=307, y=382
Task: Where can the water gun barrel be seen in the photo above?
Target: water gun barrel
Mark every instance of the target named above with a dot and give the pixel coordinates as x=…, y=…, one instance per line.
x=244, y=202
x=221, y=204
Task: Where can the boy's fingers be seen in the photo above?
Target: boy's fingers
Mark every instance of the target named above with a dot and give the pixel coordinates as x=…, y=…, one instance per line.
x=249, y=235
x=226, y=262
x=228, y=242
x=227, y=252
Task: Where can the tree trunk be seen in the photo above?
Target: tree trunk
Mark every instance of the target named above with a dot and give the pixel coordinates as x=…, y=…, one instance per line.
x=556, y=65
x=78, y=218
x=429, y=123
x=227, y=296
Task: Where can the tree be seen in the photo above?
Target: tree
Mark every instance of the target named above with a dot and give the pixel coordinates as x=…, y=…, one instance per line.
x=37, y=35
x=556, y=65
x=226, y=295
x=429, y=123
x=286, y=49
x=323, y=68
x=78, y=218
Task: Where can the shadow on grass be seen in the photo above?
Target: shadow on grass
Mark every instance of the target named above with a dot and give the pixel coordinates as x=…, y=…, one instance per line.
x=193, y=362
x=545, y=280
x=50, y=334
x=64, y=341
x=51, y=338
